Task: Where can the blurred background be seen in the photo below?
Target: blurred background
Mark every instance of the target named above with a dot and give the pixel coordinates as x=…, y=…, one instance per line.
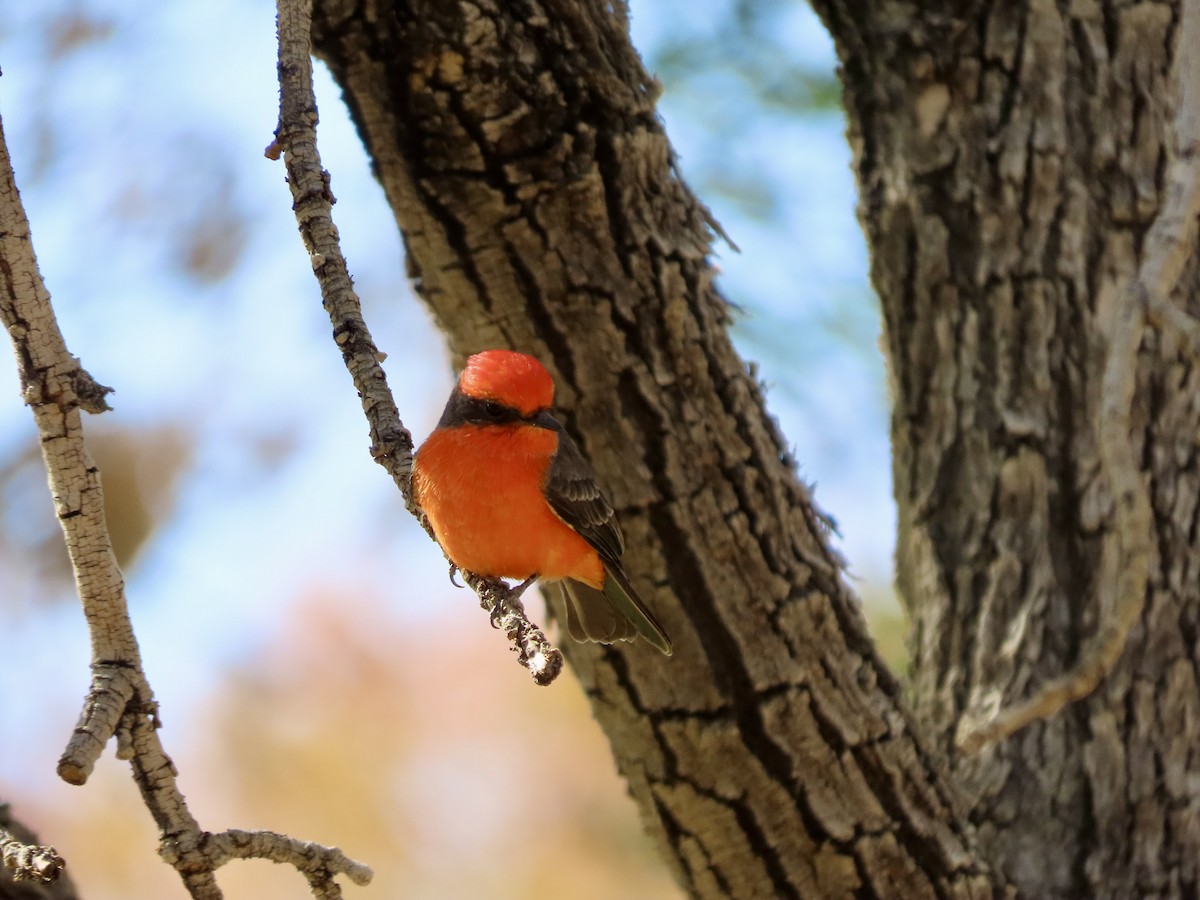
x=282, y=596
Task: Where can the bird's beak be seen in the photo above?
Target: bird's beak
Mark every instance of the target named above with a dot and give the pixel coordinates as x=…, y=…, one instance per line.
x=545, y=420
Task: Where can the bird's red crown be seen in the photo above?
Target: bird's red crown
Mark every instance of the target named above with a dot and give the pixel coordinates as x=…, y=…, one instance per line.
x=510, y=378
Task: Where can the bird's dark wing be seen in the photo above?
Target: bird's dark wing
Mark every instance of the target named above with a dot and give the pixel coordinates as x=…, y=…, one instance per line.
x=573, y=494
x=614, y=612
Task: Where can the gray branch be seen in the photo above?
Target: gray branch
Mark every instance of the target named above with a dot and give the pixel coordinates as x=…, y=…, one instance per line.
x=119, y=701
x=391, y=442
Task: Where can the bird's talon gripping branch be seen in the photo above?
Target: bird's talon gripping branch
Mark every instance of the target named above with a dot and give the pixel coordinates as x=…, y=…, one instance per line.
x=516, y=592
x=453, y=572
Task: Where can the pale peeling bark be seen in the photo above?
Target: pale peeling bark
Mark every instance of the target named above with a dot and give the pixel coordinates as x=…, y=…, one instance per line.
x=519, y=147
x=1012, y=157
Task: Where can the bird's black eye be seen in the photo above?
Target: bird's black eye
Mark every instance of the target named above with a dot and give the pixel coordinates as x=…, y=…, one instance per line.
x=486, y=412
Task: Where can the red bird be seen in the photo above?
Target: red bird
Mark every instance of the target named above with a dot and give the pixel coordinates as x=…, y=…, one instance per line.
x=509, y=495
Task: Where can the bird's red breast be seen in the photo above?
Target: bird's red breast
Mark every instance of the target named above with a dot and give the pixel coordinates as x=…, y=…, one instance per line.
x=482, y=488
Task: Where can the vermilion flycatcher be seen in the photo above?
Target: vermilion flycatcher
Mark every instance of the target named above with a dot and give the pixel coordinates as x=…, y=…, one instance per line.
x=509, y=495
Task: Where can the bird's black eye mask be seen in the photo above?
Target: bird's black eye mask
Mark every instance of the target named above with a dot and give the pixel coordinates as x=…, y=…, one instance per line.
x=462, y=409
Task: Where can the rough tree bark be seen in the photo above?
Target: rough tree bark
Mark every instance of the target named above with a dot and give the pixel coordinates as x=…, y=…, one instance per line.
x=1010, y=157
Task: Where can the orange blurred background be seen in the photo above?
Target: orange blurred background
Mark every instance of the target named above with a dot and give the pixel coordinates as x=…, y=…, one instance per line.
x=430, y=757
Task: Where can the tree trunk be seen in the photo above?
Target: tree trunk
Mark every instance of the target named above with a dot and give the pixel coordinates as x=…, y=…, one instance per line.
x=520, y=150
x=1010, y=158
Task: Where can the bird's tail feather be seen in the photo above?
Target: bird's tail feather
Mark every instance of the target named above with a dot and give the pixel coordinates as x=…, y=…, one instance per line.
x=615, y=613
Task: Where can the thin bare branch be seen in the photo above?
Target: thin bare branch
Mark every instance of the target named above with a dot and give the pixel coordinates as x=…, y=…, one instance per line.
x=107, y=700
x=30, y=870
x=30, y=862
x=1147, y=300
x=296, y=137
x=56, y=388
x=391, y=442
x=119, y=701
x=319, y=864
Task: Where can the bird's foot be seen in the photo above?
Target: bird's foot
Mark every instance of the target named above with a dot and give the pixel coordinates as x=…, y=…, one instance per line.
x=516, y=592
x=512, y=598
x=453, y=572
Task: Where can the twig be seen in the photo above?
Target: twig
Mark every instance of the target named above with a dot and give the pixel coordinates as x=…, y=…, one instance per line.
x=119, y=701
x=56, y=387
x=296, y=137
x=1147, y=300
x=315, y=861
x=391, y=442
x=30, y=862
x=50, y=378
x=109, y=697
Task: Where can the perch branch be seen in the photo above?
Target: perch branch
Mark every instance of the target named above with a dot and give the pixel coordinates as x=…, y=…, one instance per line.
x=119, y=700
x=1147, y=300
x=543, y=660
x=391, y=442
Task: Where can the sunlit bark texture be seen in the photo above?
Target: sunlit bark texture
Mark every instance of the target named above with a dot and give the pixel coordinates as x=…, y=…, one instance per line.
x=520, y=150
x=1011, y=157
